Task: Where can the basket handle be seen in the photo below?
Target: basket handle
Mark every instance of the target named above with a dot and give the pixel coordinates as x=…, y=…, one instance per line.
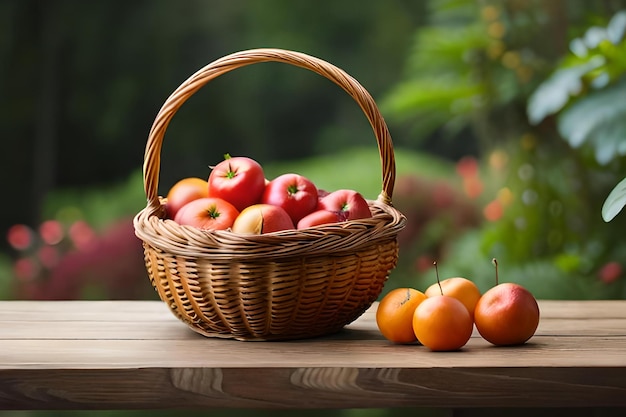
x=152, y=156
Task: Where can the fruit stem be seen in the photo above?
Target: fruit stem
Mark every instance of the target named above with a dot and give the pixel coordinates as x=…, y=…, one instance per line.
x=230, y=174
x=226, y=156
x=437, y=273
x=495, y=262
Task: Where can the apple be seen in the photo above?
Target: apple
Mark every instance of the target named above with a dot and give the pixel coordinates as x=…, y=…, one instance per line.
x=184, y=191
x=319, y=217
x=294, y=193
x=262, y=218
x=239, y=180
x=506, y=314
x=348, y=203
x=208, y=213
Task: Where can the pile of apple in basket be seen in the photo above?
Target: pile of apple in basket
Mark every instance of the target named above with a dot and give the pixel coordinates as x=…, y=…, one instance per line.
x=238, y=197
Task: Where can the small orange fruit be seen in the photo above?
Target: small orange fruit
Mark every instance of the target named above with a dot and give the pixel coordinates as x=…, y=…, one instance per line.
x=507, y=314
x=183, y=192
x=462, y=289
x=394, y=315
x=442, y=323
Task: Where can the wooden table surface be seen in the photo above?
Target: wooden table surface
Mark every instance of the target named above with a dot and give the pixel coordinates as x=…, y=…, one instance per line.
x=136, y=355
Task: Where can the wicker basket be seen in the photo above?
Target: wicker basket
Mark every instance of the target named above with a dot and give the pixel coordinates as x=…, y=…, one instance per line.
x=283, y=285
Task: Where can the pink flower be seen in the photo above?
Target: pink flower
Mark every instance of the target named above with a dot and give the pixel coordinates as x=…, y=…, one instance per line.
x=472, y=186
x=81, y=234
x=467, y=167
x=610, y=272
x=25, y=269
x=493, y=211
x=51, y=232
x=20, y=236
x=443, y=195
x=48, y=256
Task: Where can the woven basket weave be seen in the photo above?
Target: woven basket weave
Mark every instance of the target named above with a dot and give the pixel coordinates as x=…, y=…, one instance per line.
x=284, y=285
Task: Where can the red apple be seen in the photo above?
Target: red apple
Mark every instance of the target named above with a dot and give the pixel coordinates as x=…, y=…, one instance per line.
x=207, y=213
x=184, y=191
x=294, y=193
x=348, y=203
x=238, y=180
x=262, y=218
x=319, y=217
x=507, y=314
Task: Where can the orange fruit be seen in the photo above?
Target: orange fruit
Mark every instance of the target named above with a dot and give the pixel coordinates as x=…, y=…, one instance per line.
x=183, y=192
x=394, y=315
x=507, y=314
x=462, y=289
x=442, y=323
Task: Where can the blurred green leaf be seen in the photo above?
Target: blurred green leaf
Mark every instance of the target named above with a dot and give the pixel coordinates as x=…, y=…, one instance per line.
x=598, y=119
x=433, y=102
x=567, y=262
x=615, y=202
x=594, y=36
x=555, y=92
x=446, y=48
x=587, y=92
x=616, y=28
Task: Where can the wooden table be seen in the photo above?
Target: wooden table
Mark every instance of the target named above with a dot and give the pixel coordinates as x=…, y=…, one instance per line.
x=136, y=355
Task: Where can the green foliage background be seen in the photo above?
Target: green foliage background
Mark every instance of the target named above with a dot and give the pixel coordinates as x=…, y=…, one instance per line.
x=86, y=80
x=493, y=79
x=497, y=69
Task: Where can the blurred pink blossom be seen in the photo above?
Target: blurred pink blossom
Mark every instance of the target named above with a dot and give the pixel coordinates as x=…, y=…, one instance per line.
x=467, y=167
x=493, y=211
x=610, y=272
x=51, y=232
x=25, y=269
x=20, y=236
x=48, y=256
x=111, y=263
x=81, y=234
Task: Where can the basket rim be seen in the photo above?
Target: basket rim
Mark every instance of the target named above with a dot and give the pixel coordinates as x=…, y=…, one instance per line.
x=323, y=240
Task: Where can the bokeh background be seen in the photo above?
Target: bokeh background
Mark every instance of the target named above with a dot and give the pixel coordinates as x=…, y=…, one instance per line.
x=508, y=119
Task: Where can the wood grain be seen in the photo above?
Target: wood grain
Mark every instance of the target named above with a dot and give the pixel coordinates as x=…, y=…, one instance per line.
x=136, y=355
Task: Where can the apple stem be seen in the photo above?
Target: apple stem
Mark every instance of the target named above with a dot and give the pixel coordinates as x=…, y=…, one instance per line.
x=226, y=156
x=495, y=262
x=230, y=174
x=437, y=274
